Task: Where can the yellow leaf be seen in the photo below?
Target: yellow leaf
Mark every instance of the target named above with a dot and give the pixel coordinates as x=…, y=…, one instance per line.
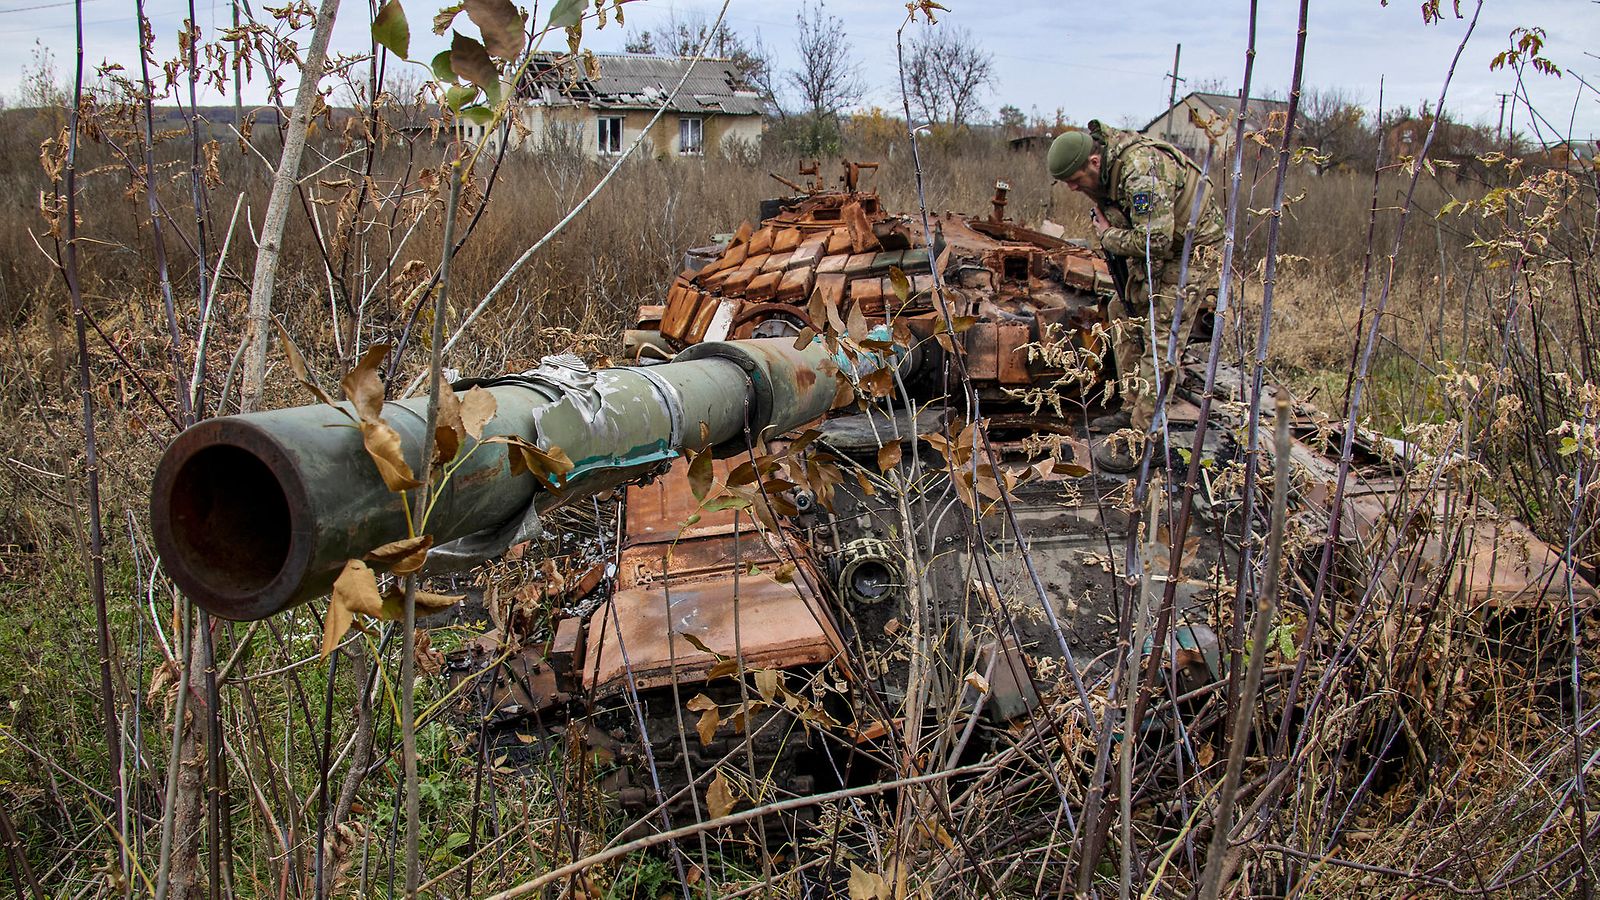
x=403, y=556
x=429, y=602
x=383, y=445
x=477, y=408
x=707, y=726
x=900, y=283
x=978, y=682
x=394, y=604
x=866, y=885
x=784, y=574
x=700, y=474
x=769, y=682
x=354, y=591
x=719, y=796
x=700, y=703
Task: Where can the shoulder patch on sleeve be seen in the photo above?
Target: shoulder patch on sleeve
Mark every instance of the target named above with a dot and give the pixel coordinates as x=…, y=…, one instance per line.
x=1141, y=203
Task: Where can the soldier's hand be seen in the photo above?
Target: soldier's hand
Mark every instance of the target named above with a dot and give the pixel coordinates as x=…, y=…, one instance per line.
x=1098, y=220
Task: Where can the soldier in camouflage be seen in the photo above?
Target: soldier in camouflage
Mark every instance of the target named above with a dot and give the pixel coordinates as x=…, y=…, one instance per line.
x=1145, y=193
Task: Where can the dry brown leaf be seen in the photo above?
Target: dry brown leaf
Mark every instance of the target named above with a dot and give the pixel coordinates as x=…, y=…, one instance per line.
x=856, y=323
x=477, y=408
x=362, y=386
x=383, y=445
x=297, y=364
x=443, y=18
x=448, y=430
x=550, y=467
x=707, y=726
x=471, y=61
x=889, y=455
x=501, y=25
x=429, y=602
x=404, y=556
x=554, y=581
x=719, y=796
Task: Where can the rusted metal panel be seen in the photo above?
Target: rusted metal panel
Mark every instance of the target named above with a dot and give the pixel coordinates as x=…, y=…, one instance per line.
x=983, y=361
x=640, y=634
x=832, y=287
x=1010, y=358
x=786, y=239
x=858, y=263
x=832, y=264
x=658, y=510
x=1498, y=561
x=703, y=314
x=739, y=279
x=681, y=302
x=761, y=241
x=805, y=256
x=567, y=646
x=763, y=286
x=776, y=262
x=795, y=286
x=526, y=684
x=700, y=554
x=867, y=293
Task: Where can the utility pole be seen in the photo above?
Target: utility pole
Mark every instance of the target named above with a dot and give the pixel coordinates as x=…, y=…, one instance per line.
x=1499, y=131
x=1172, y=95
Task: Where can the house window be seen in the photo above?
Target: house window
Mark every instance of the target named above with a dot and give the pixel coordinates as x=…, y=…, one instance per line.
x=691, y=137
x=610, y=131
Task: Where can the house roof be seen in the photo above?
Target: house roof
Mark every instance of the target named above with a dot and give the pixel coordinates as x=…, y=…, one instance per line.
x=1256, y=112
x=632, y=81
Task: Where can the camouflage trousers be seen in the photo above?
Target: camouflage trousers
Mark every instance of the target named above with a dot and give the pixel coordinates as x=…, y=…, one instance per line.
x=1131, y=318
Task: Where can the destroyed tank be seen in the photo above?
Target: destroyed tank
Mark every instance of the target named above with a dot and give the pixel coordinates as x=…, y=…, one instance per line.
x=853, y=489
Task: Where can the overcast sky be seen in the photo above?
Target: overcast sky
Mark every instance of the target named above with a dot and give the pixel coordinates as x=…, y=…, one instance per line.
x=1107, y=59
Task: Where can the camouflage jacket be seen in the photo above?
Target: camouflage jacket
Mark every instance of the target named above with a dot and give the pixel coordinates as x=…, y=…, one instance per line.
x=1147, y=187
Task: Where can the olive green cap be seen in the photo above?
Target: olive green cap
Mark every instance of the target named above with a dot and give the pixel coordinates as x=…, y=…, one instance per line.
x=1069, y=152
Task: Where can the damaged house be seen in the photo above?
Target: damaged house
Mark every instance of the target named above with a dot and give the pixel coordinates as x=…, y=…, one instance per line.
x=603, y=112
x=1184, y=124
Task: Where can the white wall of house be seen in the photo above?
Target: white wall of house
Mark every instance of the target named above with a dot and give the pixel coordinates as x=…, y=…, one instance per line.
x=591, y=131
x=1177, y=128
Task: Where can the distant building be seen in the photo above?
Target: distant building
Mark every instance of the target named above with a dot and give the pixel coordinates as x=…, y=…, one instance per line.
x=1032, y=143
x=1177, y=125
x=561, y=104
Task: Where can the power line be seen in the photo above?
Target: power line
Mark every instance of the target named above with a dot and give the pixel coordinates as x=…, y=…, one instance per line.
x=41, y=6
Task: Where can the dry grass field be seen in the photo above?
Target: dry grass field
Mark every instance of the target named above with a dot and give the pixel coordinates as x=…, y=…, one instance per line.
x=1484, y=352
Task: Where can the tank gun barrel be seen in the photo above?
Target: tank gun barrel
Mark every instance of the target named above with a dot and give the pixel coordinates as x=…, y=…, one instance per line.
x=254, y=514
